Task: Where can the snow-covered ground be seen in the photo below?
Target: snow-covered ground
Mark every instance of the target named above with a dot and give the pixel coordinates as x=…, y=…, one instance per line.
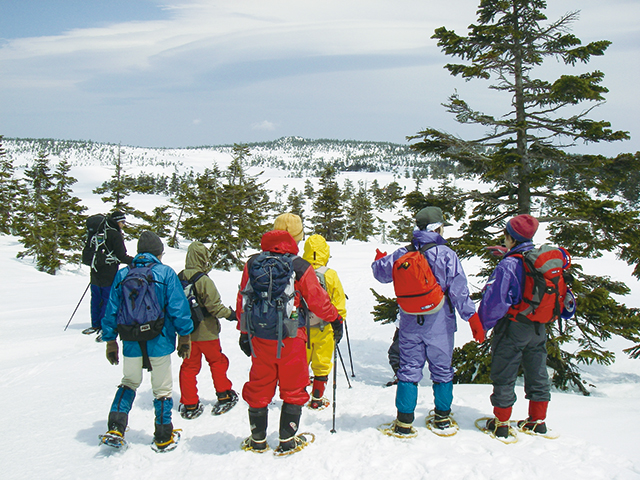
x=57, y=387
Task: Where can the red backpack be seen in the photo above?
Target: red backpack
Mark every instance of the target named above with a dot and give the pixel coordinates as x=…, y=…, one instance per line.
x=544, y=285
x=416, y=288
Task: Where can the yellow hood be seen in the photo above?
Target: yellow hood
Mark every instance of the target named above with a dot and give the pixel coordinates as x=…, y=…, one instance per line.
x=316, y=251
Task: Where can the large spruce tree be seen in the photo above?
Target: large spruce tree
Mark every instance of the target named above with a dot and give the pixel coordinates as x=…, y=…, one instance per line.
x=9, y=191
x=524, y=156
x=328, y=219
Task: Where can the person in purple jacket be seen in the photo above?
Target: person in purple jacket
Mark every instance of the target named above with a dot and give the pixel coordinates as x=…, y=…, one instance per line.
x=514, y=343
x=428, y=338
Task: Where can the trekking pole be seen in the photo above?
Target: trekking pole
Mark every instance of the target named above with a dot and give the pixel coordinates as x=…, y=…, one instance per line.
x=346, y=332
x=335, y=377
x=74, y=312
x=346, y=375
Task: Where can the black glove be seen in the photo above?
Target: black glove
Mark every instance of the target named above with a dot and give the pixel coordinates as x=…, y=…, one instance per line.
x=184, y=346
x=112, y=352
x=338, y=329
x=232, y=315
x=245, y=344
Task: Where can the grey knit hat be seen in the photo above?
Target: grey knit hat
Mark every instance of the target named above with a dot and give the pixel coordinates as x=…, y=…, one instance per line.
x=149, y=242
x=430, y=216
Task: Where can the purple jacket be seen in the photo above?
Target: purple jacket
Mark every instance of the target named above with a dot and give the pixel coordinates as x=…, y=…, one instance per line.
x=504, y=287
x=448, y=271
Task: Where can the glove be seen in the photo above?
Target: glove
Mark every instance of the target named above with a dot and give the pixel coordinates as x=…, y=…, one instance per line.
x=184, y=346
x=497, y=250
x=112, y=352
x=245, y=344
x=380, y=254
x=338, y=329
x=232, y=315
x=476, y=328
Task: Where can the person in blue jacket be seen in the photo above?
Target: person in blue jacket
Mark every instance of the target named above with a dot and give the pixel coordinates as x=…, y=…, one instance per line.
x=428, y=338
x=174, y=303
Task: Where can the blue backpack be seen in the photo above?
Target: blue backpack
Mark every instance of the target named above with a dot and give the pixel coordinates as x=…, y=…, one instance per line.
x=140, y=317
x=268, y=298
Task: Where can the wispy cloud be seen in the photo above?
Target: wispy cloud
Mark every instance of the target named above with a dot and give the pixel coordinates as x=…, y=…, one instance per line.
x=265, y=125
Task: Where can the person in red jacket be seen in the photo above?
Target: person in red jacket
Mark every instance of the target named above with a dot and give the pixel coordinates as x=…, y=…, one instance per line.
x=285, y=367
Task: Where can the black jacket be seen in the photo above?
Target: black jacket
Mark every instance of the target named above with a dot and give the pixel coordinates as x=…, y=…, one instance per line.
x=115, y=243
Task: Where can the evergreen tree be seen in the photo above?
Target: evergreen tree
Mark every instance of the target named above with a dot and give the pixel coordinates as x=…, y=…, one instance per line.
x=524, y=157
x=360, y=219
x=295, y=203
x=328, y=220
x=9, y=191
x=159, y=221
x=202, y=205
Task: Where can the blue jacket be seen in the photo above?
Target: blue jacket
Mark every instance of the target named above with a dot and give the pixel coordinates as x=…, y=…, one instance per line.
x=172, y=299
x=504, y=287
x=448, y=271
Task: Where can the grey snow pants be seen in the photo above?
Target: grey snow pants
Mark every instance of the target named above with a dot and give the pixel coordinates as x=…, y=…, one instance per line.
x=516, y=344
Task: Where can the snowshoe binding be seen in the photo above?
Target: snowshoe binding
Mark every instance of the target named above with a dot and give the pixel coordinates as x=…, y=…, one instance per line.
x=226, y=401
x=294, y=444
x=398, y=430
x=442, y=425
x=190, y=412
x=501, y=431
x=318, y=403
x=113, y=439
x=169, y=445
x=537, y=428
x=251, y=445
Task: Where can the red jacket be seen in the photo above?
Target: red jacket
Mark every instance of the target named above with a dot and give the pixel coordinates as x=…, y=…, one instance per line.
x=306, y=282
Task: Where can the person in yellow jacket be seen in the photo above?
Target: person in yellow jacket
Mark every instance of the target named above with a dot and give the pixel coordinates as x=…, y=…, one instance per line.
x=204, y=339
x=321, y=342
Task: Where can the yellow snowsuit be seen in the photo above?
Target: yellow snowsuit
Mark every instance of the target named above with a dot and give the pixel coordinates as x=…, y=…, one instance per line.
x=320, y=352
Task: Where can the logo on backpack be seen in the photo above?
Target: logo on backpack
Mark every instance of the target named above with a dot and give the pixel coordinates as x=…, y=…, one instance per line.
x=140, y=317
x=545, y=286
x=268, y=298
x=95, y=253
x=189, y=287
x=417, y=290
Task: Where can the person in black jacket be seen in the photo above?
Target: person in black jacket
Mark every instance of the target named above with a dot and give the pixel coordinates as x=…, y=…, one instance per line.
x=102, y=276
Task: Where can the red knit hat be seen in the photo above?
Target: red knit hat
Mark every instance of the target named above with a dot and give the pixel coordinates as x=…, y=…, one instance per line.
x=522, y=228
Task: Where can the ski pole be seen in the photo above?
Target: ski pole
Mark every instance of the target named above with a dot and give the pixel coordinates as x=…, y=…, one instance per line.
x=346, y=332
x=74, y=312
x=335, y=377
x=346, y=375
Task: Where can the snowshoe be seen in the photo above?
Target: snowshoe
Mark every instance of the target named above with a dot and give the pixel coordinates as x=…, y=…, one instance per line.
x=294, y=444
x=318, y=404
x=443, y=426
x=190, y=412
x=393, y=430
x=99, y=337
x=391, y=383
x=113, y=439
x=90, y=330
x=169, y=445
x=536, y=428
x=223, y=405
x=512, y=434
x=250, y=445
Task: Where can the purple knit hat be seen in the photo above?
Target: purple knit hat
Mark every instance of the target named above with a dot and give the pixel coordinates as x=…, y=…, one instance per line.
x=522, y=228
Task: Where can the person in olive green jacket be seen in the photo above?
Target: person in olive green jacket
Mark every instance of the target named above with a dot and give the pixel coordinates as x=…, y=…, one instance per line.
x=204, y=339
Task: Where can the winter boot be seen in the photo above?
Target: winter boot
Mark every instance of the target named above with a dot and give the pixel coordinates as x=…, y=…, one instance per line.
x=441, y=420
x=535, y=422
x=257, y=442
x=190, y=412
x=226, y=401
x=163, y=437
x=120, y=407
x=289, y=422
x=402, y=424
x=317, y=400
x=500, y=424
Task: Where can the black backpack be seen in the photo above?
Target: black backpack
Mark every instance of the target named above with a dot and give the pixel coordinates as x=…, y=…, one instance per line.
x=95, y=253
x=268, y=298
x=188, y=285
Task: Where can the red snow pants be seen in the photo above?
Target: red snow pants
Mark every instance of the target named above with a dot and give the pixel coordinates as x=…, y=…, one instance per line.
x=218, y=364
x=290, y=372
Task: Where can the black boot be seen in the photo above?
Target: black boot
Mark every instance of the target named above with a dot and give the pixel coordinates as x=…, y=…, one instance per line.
x=289, y=422
x=117, y=422
x=403, y=423
x=258, y=418
x=441, y=419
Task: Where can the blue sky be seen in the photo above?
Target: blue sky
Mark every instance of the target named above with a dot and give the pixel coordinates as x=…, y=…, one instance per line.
x=206, y=72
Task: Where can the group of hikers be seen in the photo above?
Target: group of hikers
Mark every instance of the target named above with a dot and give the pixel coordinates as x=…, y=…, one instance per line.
x=290, y=311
